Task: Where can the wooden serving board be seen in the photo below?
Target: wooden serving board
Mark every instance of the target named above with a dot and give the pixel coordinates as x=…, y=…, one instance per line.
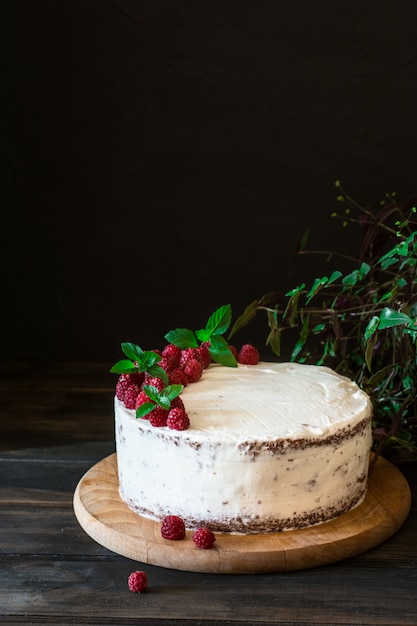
x=104, y=517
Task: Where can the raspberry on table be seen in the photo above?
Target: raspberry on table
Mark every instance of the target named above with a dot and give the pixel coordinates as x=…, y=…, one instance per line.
x=177, y=419
x=248, y=355
x=204, y=538
x=173, y=527
x=137, y=581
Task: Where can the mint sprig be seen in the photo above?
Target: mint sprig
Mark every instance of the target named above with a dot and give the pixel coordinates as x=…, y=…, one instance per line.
x=217, y=325
x=139, y=360
x=158, y=397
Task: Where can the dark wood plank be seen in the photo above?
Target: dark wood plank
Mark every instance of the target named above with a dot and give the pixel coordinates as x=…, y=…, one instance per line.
x=55, y=404
x=97, y=589
x=57, y=422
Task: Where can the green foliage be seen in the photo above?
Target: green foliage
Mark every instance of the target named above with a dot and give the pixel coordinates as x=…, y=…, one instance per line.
x=217, y=324
x=361, y=323
x=139, y=361
x=158, y=397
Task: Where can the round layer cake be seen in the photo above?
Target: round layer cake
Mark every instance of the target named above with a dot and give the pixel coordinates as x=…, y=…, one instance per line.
x=270, y=447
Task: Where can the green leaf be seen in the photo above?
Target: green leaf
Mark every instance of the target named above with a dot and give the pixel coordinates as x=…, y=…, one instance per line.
x=357, y=275
x=369, y=350
x=144, y=409
x=182, y=338
x=123, y=367
x=171, y=391
x=274, y=340
x=219, y=321
x=388, y=262
x=302, y=339
x=328, y=350
x=318, y=328
x=402, y=248
x=152, y=392
x=158, y=372
x=318, y=283
x=148, y=359
x=164, y=402
x=371, y=327
x=381, y=376
x=203, y=335
x=132, y=351
x=296, y=290
x=220, y=352
x=334, y=276
x=247, y=315
x=389, y=318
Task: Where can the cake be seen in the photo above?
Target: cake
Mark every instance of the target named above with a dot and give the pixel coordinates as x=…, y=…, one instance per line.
x=270, y=447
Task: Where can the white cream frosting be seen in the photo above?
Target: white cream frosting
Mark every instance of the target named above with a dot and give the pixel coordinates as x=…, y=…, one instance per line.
x=272, y=446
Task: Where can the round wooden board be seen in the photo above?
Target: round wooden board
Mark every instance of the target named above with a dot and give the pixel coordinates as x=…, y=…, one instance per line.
x=104, y=517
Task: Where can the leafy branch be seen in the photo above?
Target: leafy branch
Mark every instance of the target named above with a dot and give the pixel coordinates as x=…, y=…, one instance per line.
x=362, y=323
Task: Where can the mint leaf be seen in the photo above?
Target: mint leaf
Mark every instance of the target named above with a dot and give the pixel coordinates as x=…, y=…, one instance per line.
x=164, y=396
x=123, y=367
x=158, y=372
x=152, y=392
x=132, y=351
x=171, y=391
x=182, y=338
x=203, y=335
x=219, y=321
x=220, y=352
x=148, y=359
x=144, y=409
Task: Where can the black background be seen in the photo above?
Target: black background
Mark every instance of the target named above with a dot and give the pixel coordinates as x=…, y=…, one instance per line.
x=163, y=158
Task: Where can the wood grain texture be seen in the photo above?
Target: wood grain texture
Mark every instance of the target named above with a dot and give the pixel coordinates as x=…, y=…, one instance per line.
x=104, y=516
x=56, y=423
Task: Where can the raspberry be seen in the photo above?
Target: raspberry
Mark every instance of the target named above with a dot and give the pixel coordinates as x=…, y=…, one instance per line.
x=125, y=381
x=172, y=353
x=177, y=419
x=204, y=538
x=141, y=398
x=177, y=403
x=158, y=416
x=168, y=363
x=187, y=354
x=204, y=354
x=177, y=377
x=154, y=381
x=173, y=527
x=248, y=355
x=130, y=396
x=193, y=370
x=137, y=581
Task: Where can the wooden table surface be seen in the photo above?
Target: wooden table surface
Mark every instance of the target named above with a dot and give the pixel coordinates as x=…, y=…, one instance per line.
x=56, y=423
